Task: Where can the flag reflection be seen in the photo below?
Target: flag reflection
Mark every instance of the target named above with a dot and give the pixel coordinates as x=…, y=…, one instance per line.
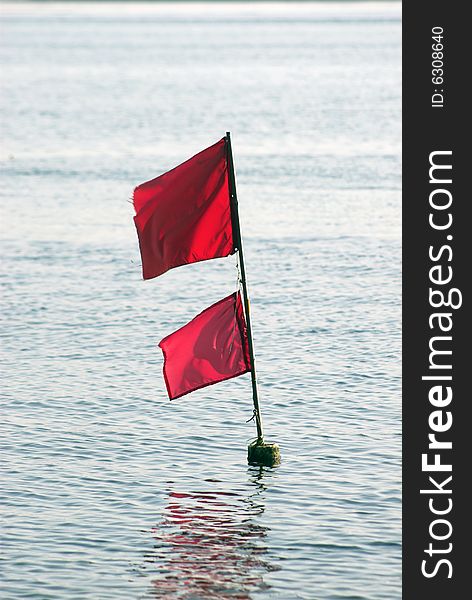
x=209, y=545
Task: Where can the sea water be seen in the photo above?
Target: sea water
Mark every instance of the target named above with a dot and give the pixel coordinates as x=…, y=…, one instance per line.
x=109, y=490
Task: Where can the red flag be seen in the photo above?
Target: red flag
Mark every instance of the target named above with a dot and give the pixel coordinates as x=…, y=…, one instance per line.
x=184, y=216
x=211, y=348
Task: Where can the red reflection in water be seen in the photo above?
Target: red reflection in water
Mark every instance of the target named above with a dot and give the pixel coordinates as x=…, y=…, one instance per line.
x=209, y=547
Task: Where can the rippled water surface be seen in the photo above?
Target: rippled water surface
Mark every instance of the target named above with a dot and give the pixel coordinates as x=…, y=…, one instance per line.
x=109, y=490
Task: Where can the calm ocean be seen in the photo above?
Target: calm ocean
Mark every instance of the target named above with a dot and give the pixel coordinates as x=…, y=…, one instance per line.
x=110, y=491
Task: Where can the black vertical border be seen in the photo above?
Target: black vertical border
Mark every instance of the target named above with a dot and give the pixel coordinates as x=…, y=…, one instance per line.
x=427, y=129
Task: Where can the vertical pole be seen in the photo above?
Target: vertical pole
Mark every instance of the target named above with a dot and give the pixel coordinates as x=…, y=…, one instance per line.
x=238, y=244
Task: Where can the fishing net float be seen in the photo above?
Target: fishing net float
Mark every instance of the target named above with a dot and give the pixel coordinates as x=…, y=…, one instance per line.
x=187, y=215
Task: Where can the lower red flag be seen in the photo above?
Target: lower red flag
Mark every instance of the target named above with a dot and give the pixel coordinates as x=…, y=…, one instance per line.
x=211, y=348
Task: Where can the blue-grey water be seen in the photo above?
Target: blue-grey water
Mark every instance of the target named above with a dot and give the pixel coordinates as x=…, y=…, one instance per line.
x=110, y=491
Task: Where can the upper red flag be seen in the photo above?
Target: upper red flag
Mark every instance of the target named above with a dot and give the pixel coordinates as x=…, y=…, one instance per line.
x=184, y=216
x=211, y=348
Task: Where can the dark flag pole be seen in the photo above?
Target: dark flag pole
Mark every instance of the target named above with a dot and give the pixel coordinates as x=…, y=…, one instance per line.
x=239, y=245
x=258, y=452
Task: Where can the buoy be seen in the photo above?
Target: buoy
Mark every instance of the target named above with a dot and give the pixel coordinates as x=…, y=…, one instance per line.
x=263, y=453
x=205, y=175
x=258, y=452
